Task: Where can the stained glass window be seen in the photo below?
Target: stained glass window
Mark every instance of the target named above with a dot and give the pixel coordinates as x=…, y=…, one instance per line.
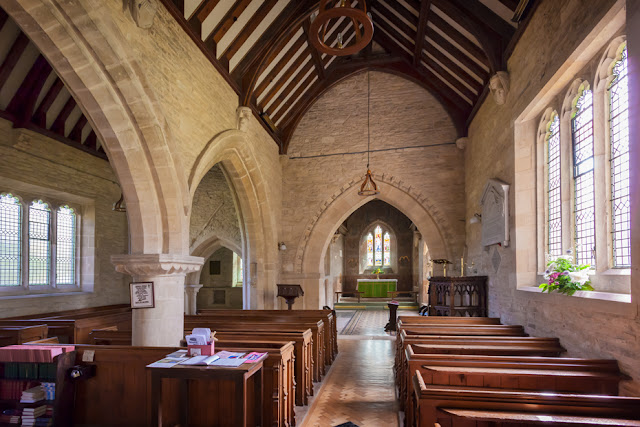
x=10, y=240
x=582, y=133
x=554, y=219
x=39, y=243
x=378, y=245
x=619, y=128
x=65, y=246
x=369, y=250
x=387, y=249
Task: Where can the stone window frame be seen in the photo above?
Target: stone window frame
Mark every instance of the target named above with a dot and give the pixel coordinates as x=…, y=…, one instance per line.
x=612, y=284
x=84, y=208
x=362, y=247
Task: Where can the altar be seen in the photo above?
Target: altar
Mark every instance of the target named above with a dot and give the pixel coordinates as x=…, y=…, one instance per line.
x=377, y=288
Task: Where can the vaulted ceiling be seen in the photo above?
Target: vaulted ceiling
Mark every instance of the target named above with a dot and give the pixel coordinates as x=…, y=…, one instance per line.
x=32, y=95
x=262, y=47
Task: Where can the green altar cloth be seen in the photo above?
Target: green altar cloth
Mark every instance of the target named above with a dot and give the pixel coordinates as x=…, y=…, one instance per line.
x=376, y=288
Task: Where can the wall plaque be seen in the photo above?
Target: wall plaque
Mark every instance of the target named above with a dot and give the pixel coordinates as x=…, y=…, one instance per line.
x=495, y=213
x=142, y=295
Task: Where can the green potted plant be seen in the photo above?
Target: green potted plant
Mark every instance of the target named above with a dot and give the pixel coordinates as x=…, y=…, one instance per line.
x=566, y=277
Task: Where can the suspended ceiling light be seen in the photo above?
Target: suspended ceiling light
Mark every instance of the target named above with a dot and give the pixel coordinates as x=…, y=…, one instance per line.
x=331, y=11
x=368, y=187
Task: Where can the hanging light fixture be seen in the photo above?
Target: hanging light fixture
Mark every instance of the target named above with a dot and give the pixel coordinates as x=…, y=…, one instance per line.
x=368, y=187
x=120, y=206
x=334, y=10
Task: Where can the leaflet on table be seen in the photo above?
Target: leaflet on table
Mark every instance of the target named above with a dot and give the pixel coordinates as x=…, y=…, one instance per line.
x=254, y=356
x=229, y=359
x=167, y=362
x=200, y=360
x=229, y=355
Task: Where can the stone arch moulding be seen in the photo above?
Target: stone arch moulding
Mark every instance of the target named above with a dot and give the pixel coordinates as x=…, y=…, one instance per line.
x=207, y=248
x=112, y=91
x=432, y=224
x=575, y=90
x=604, y=75
x=238, y=160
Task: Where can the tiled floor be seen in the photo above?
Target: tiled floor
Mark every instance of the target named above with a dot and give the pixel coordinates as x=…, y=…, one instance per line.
x=359, y=387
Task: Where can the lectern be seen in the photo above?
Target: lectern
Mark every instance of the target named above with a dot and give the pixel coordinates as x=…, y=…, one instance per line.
x=290, y=293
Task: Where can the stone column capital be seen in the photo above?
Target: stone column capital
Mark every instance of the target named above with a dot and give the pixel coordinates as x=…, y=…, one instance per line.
x=192, y=289
x=146, y=265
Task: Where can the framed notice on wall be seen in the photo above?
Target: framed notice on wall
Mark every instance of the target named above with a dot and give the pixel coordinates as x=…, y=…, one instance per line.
x=142, y=295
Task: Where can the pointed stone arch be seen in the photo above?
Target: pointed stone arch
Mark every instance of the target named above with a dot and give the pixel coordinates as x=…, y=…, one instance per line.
x=239, y=161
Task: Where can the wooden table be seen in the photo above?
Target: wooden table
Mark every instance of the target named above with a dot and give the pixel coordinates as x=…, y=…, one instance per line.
x=243, y=414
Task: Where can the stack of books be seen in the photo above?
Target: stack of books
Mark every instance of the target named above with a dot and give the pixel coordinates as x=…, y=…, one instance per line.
x=12, y=389
x=33, y=395
x=29, y=415
x=11, y=416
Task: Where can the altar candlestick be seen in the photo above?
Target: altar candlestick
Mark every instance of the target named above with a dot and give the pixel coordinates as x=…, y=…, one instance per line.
x=462, y=266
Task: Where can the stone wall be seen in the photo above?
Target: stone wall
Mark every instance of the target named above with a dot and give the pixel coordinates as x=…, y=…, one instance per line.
x=227, y=295
x=423, y=178
x=586, y=327
x=62, y=173
x=213, y=212
x=399, y=226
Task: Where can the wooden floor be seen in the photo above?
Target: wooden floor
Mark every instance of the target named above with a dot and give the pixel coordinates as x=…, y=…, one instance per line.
x=359, y=387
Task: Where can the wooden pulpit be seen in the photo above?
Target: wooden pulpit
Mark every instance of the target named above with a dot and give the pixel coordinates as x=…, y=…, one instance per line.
x=290, y=293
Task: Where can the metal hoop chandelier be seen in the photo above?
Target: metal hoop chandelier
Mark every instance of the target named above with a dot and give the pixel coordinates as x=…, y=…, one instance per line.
x=333, y=10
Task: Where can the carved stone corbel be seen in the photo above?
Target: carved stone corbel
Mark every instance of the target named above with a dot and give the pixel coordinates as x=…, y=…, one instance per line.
x=499, y=86
x=461, y=143
x=142, y=11
x=242, y=117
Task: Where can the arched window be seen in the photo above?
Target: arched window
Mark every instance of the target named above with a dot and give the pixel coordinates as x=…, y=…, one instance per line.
x=369, y=250
x=10, y=240
x=554, y=213
x=39, y=243
x=619, y=132
x=65, y=246
x=378, y=248
x=584, y=208
x=387, y=249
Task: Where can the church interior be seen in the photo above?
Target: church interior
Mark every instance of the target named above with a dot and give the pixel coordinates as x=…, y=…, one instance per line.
x=413, y=212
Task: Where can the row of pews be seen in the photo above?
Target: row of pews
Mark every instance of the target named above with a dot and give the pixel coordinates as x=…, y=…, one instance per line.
x=476, y=372
x=300, y=345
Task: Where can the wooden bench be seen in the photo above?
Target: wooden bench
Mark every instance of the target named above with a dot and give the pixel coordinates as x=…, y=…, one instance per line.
x=49, y=340
x=357, y=294
x=75, y=312
x=10, y=335
x=586, y=376
x=400, y=294
x=447, y=320
x=303, y=385
x=255, y=325
x=438, y=404
x=293, y=317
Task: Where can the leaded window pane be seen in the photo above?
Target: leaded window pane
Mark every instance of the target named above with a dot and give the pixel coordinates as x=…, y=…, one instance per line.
x=387, y=249
x=378, y=245
x=65, y=246
x=10, y=240
x=584, y=213
x=39, y=243
x=554, y=218
x=619, y=128
x=369, y=250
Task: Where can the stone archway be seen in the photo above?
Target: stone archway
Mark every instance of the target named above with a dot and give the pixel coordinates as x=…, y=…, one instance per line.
x=435, y=228
x=100, y=70
x=255, y=208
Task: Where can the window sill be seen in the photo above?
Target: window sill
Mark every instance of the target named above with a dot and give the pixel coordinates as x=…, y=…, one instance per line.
x=595, y=295
x=43, y=295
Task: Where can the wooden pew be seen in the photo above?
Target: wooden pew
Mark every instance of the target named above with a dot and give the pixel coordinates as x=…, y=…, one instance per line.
x=77, y=311
x=10, y=335
x=303, y=385
x=413, y=334
x=490, y=330
x=586, y=376
x=76, y=330
x=254, y=325
x=327, y=316
x=49, y=340
x=444, y=405
x=448, y=320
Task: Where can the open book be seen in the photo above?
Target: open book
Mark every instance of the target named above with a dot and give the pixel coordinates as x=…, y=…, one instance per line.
x=200, y=360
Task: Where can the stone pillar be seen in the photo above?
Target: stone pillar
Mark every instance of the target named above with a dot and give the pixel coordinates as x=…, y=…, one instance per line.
x=162, y=325
x=191, y=294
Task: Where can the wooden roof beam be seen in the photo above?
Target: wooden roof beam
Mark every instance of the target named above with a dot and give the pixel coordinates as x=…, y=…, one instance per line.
x=456, y=53
x=59, y=123
x=17, y=48
x=473, y=49
x=248, y=29
x=422, y=28
x=200, y=14
x=40, y=116
x=315, y=55
x=268, y=79
x=76, y=132
x=487, y=16
x=286, y=76
x=23, y=102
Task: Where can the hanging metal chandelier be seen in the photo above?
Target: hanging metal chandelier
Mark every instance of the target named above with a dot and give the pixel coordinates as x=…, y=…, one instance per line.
x=330, y=11
x=368, y=187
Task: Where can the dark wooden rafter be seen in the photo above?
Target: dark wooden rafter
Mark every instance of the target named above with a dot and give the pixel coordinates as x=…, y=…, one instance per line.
x=24, y=101
x=286, y=76
x=511, y=4
x=201, y=13
x=59, y=123
x=3, y=17
x=470, y=47
x=425, y=6
x=315, y=55
x=459, y=55
x=18, y=47
x=248, y=29
x=40, y=116
x=228, y=20
x=76, y=131
x=487, y=16
x=277, y=68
